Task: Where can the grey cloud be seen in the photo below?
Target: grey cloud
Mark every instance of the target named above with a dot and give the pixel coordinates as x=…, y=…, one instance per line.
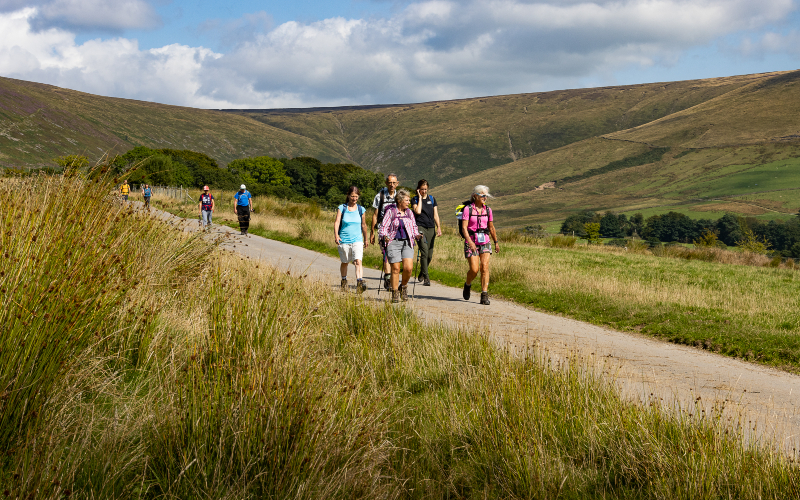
x=232, y=33
x=113, y=16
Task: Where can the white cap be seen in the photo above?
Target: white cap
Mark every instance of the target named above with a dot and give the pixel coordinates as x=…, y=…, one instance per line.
x=242, y=187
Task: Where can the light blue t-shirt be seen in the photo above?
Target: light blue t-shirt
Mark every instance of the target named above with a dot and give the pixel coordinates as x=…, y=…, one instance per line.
x=243, y=199
x=350, y=227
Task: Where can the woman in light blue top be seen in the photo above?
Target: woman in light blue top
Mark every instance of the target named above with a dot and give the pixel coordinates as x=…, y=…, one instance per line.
x=350, y=234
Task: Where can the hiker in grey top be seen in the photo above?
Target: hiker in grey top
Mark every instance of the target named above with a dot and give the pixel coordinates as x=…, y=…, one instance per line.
x=383, y=199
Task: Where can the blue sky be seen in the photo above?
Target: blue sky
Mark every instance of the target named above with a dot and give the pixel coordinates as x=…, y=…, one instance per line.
x=256, y=54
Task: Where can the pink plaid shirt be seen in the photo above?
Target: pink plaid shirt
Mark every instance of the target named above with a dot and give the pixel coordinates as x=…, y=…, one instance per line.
x=391, y=221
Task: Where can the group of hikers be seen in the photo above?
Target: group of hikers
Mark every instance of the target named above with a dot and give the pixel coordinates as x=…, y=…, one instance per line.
x=401, y=223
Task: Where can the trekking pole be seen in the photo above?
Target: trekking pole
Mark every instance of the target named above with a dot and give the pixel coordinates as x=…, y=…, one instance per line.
x=383, y=266
x=416, y=268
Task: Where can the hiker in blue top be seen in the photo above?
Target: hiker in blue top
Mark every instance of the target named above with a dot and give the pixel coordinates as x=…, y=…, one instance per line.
x=147, y=193
x=243, y=207
x=350, y=234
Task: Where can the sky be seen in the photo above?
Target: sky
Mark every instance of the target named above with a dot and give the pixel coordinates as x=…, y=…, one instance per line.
x=305, y=53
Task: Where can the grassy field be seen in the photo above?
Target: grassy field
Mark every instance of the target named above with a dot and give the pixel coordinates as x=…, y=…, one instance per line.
x=730, y=302
x=138, y=362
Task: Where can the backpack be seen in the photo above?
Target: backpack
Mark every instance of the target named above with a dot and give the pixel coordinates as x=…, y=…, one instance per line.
x=342, y=208
x=381, y=211
x=460, y=216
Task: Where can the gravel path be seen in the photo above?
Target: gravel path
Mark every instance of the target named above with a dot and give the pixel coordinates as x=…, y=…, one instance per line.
x=766, y=401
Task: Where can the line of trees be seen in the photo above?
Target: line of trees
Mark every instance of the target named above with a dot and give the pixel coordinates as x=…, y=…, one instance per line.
x=301, y=179
x=780, y=237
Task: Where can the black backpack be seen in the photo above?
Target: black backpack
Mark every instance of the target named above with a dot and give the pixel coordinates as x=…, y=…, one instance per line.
x=381, y=211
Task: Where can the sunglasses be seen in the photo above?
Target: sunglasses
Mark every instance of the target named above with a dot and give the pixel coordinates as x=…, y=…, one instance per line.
x=483, y=195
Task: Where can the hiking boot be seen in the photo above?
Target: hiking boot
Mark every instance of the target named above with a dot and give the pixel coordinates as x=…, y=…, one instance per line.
x=361, y=286
x=427, y=281
x=344, y=284
x=485, y=298
x=404, y=293
x=387, y=282
x=395, y=296
x=466, y=291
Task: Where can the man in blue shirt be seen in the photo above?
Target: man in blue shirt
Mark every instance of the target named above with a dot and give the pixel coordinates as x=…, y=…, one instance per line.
x=242, y=207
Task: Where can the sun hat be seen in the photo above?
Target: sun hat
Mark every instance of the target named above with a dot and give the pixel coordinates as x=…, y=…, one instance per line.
x=242, y=187
x=205, y=188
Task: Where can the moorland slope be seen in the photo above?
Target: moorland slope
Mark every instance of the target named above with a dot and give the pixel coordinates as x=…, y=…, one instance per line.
x=39, y=122
x=447, y=140
x=739, y=151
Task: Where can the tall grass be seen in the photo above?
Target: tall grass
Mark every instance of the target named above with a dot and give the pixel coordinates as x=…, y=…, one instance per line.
x=215, y=377
x=736, y=303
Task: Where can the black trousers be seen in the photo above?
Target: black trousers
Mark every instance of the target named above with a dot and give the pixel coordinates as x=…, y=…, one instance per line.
x=243, y=213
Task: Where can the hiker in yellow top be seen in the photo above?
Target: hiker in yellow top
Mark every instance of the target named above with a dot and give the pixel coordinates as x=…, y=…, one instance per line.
x=125, y=190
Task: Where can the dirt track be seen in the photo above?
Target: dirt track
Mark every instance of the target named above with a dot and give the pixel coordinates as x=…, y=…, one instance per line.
x=766, y=400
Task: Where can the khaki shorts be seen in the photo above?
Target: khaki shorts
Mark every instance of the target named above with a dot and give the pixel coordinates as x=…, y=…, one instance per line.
x=348, y=252
x=399, y=250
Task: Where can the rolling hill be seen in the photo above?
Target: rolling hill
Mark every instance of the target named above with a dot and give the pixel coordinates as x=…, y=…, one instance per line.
x=739, y=151
x=446, y=140
x=39, y=122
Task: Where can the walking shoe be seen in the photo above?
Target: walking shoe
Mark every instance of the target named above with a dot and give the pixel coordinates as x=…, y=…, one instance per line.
x=361, y=286
x=466, y=291
x=427, y=281
x=404, y=293
x=485, y=298
x=395, y=296
x=344, y=284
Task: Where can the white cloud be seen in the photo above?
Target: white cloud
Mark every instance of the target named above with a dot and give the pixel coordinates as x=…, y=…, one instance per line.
x=437, y=49
x=771, y=43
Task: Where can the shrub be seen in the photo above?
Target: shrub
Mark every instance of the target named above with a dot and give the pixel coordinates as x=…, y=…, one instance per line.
x=751, y=243
x=561, y=241
x=592, y=230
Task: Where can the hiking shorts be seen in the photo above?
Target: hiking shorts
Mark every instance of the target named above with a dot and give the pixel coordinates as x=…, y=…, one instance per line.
x=348, y=252
x=399, y=250
x=487, y=248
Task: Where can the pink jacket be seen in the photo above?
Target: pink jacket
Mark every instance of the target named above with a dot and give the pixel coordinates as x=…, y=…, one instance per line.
x=391, y=222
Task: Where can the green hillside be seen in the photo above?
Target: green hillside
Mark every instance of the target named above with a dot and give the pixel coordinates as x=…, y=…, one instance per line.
x=447, y=140
x=39, y=122
x=738, y=152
